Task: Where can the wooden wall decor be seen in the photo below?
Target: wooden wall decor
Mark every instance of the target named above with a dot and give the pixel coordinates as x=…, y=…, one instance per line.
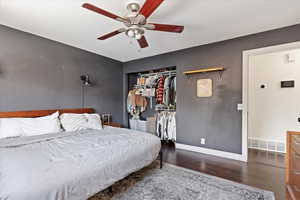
x=204, y=70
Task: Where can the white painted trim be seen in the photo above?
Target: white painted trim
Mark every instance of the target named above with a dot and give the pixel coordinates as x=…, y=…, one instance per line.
x=245, y=107
x=268, y=140
x=246, y=55
x=267, y=150
x=276, y=142
x=213, y=152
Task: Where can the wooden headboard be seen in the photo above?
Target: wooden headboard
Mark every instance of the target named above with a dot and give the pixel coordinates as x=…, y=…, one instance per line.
x=41, y=113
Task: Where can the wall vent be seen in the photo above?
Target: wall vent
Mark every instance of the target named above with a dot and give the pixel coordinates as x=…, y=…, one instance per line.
x=266, y=145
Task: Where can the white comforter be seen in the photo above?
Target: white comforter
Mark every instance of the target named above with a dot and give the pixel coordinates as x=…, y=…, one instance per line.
x=71, y=165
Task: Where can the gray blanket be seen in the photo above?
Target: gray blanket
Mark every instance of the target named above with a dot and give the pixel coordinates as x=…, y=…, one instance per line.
x=71, y=165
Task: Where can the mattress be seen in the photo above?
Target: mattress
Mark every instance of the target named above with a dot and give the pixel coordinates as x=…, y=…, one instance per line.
x=72, y=165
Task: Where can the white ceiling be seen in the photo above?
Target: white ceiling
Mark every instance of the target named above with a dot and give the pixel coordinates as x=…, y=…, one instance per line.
x=205, y=21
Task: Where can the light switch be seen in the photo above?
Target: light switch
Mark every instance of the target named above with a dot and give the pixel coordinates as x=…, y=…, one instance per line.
x=202, y=141
x=240, y=107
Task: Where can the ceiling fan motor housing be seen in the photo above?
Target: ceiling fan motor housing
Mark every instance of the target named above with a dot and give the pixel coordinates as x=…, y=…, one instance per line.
x=133, y=6
x=133, y=17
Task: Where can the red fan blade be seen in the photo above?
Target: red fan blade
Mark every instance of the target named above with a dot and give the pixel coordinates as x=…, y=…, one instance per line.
x=149, y=7
x=103, y=12
x=109, y=35
x=164, y=27
x=143, y=42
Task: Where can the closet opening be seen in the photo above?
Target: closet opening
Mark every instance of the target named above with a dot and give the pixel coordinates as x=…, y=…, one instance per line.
x=151, y=102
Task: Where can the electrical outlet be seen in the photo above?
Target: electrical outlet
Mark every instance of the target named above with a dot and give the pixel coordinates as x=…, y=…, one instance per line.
x=202, y=140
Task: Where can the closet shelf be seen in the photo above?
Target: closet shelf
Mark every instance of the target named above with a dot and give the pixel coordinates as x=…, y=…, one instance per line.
x=204, y=70
x=164, y=73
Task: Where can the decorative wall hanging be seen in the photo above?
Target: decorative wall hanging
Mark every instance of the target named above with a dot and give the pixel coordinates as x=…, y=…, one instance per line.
x=204, y=88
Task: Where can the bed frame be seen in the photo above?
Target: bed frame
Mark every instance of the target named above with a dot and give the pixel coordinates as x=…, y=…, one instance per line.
x=41, y=113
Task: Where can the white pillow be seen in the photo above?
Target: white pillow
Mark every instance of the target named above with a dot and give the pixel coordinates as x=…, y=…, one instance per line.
x=41, y=125
x=73, y=122
x=14, y=127
x=76, y=122
x=94, y=121
x=9, y=127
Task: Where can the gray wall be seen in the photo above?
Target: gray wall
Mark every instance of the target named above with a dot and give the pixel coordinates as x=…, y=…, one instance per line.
x=215, y=118
x=37, y=73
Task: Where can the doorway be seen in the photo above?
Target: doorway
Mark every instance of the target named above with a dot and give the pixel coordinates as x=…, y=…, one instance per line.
x=271, y=106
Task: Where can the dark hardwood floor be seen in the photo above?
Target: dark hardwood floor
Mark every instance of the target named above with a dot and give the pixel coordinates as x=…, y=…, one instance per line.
x=264, y=170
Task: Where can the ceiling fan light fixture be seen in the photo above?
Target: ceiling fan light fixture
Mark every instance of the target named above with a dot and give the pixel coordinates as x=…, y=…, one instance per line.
x=138, y=36
x=130, y=33
x=136, y=33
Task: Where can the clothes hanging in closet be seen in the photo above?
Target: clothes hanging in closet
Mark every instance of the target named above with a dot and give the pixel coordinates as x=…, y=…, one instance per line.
x=166, y=97
x=160, y=90
x=172, y=92
x=136, y=103
x=166, y=125
x=169, y=95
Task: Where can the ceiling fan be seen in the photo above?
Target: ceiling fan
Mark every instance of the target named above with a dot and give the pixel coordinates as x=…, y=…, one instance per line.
x=136, y=21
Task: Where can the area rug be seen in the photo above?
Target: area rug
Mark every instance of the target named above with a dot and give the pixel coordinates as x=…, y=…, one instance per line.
x=176, y=183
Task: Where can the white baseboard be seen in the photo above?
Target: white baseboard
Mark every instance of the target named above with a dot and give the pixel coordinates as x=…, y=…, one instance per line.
x=262, y=149
x=267, y=145
x=213, y=152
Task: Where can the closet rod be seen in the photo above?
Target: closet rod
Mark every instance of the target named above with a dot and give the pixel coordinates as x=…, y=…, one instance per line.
x=167, y=110
x=173, y=72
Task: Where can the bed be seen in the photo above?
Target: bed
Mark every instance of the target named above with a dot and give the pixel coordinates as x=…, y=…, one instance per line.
x=70, y=165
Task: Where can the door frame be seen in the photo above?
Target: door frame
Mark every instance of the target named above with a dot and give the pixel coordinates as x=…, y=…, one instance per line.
x=246, y=57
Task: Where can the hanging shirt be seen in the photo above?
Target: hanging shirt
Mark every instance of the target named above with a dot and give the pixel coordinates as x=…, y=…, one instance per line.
x=166, y=125
x=172, y=92
x=166, y=95
x=160, y=90
x=172, y=126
